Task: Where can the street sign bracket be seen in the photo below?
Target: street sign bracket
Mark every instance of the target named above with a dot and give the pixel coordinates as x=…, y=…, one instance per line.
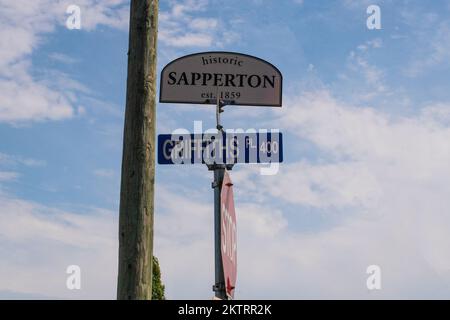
x=218, y=287
x=215, y=166
x=220, y=104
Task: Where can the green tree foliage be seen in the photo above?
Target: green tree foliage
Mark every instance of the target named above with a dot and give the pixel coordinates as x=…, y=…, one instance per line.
x=157, y=285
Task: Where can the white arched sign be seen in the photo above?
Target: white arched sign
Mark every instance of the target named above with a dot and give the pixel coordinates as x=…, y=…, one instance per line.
x=236, y=78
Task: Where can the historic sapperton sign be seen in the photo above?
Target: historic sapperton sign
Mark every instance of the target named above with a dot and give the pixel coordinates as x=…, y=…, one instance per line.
x=236, y=78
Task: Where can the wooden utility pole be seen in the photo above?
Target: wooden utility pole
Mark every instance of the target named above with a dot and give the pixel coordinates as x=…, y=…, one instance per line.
x=138, y=161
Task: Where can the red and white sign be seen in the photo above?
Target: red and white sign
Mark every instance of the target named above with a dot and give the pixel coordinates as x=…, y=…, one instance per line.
x=228, y=235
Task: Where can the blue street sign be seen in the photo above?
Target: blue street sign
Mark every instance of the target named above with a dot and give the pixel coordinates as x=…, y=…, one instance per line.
x=220, y=148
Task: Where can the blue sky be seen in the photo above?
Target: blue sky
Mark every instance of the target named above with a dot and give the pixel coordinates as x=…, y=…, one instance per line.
x=366, y=121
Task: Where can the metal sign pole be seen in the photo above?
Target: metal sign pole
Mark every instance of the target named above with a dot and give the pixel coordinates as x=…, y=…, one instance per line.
x=219, y=286
x=219, y=171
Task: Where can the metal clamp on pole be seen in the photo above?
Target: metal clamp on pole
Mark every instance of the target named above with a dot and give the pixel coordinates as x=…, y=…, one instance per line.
x=219, y=108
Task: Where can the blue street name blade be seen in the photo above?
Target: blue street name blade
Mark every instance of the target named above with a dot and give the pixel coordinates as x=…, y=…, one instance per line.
x=220, y=148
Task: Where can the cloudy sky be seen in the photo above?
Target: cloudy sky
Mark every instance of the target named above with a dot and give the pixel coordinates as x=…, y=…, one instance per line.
x=366, y=121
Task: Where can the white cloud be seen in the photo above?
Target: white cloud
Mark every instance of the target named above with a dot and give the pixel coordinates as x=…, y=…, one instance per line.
x=438, y=114
x=22, y=26
x=363, y=134
x=326, y=185
x=14, y=160
x=358, y=4
x=391, y=175
x=387, y=177
x=434, y=50
x=62, y=58
x=39, y=242
x=184, y=240
x=104, y=173
x=367, y=75
x=182, y=27
x=110, y=13
x=187, y=40
x=23, y=101
x=8, y=175
x=204, y=23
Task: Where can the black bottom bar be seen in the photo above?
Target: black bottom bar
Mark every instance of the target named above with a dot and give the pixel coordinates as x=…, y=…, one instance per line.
x=248, y=309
